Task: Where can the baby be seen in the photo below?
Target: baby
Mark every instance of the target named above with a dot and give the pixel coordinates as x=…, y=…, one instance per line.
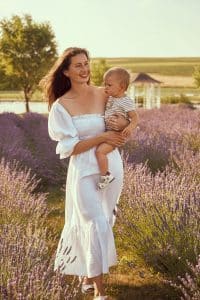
x=116, y=83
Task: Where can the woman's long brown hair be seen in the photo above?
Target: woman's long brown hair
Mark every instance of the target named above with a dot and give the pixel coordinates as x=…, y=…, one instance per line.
x=55, y=83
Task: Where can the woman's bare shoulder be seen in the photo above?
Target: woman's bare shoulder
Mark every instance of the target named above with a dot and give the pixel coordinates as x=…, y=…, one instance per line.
x=100, y=92
x=66, y=96
x=97, y=89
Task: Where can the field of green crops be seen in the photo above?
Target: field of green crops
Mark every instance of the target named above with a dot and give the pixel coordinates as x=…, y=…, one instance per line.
x=183, y=66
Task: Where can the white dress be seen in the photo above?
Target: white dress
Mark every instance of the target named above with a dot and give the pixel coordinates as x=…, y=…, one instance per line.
x=86, y=246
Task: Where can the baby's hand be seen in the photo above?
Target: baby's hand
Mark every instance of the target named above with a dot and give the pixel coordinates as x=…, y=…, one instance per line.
x=117, y=122
x=127, y=131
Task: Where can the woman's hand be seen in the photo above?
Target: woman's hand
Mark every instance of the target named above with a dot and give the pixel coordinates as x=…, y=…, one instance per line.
x=113, y=138
x=117, y=122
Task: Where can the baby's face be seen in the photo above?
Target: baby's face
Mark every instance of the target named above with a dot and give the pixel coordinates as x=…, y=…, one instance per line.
x=113, y=86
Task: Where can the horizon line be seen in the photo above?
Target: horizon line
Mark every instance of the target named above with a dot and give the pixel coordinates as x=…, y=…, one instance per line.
x=198, y=57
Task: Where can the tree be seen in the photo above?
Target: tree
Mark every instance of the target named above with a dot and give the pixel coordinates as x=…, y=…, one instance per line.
x=98, y=69
x=28, y=49
x=7, y=82
x=196, y=76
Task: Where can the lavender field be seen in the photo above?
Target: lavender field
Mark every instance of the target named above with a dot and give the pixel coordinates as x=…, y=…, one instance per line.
x=158, y=223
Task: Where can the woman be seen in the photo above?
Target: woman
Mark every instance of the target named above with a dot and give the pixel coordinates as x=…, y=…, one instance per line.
x=86, y=247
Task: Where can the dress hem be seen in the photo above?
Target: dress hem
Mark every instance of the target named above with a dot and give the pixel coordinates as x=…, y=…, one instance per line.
x=86, y=275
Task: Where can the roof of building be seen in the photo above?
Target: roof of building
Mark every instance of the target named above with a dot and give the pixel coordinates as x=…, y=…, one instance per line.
x=143, y=77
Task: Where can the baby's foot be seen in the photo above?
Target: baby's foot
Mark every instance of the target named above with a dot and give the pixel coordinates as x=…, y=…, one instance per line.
x=105, y=180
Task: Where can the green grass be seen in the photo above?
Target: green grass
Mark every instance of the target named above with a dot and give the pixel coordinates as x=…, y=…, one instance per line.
x=11, y=95
x=192, y=94
x=18, y=96
x=170, y=91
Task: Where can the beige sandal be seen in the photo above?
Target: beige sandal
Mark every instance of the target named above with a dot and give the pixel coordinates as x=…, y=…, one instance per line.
x=87, y=288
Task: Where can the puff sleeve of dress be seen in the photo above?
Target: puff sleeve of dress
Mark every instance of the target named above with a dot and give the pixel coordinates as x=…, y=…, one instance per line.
x=62, y=130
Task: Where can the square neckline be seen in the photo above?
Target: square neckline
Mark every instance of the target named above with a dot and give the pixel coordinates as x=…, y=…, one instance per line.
x=80, y=115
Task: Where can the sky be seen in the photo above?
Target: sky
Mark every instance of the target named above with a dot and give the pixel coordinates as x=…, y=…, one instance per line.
x=118, y=28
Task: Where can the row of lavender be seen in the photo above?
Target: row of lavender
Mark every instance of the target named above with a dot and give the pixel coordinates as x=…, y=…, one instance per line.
x=159, y=215
x=25, y=255
x=25, y=139
x=159, y=211
x=161, y=134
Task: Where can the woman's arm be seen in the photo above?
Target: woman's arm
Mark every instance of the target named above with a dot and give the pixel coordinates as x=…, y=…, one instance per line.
x=113, y=138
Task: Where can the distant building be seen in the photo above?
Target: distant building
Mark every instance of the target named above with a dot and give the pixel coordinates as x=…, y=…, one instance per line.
x=145, y=90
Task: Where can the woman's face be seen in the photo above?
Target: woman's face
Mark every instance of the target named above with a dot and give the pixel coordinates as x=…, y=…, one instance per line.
x=79, y=69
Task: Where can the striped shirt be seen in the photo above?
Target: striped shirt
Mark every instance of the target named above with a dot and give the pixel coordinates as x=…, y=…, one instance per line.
x=118, y=105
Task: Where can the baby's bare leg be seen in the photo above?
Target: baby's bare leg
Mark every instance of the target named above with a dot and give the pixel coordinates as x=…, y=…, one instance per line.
x=101, y=155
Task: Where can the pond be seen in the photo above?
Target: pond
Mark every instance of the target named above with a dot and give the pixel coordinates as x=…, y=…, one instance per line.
x=19, y=107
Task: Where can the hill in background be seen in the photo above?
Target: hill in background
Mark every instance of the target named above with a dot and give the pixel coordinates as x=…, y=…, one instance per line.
x=170, y=66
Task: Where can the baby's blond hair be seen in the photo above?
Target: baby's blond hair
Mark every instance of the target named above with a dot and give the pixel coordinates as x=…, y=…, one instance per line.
x=121, y=73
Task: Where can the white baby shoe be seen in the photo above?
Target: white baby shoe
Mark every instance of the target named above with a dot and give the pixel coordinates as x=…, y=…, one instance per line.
x=105, y=180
